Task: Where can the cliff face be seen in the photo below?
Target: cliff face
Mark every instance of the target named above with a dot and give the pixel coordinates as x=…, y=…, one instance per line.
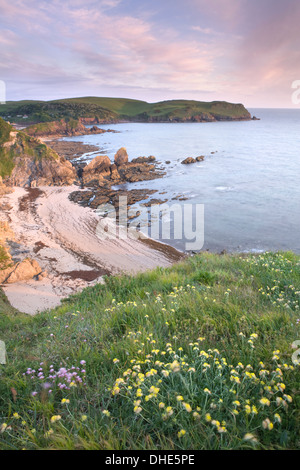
x=26, y=161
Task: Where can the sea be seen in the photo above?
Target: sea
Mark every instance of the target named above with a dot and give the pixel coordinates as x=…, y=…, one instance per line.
x=243, y=197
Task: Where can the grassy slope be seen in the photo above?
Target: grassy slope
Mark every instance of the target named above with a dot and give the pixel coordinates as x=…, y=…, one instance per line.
x=153, y=338
x=120, y=108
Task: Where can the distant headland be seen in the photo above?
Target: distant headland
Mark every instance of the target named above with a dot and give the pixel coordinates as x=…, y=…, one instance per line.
x=94, y=110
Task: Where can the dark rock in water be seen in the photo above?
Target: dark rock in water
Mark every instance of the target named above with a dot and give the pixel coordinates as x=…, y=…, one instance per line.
x=188, y=161
x=144, y=159
x=200, y=159
x=168, y=162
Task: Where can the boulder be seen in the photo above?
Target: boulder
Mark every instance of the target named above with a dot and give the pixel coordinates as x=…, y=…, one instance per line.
x=22, y=271
x=114, y=174
x=188, y=161
x=96, y=170
x=144, y=159
x=200, y=159
x=121, y=157
x=98, y=164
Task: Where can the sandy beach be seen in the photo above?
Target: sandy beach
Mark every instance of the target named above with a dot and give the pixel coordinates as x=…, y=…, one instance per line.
x=62, y=237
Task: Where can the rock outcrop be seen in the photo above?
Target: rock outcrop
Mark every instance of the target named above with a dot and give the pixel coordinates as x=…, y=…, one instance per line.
x=26, y=161
x=29, y=172
x=22, y=271
x=12, y=271
x=101, y=172
x=121, y=157
x=96, y=171
x=188, y=161
x=62, y=128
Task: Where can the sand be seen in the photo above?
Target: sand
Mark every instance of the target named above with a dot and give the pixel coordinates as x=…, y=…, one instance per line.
x=63, y=237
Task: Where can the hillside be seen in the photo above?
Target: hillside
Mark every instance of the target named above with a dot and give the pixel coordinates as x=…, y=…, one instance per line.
x=99, y=110
x=196, y=356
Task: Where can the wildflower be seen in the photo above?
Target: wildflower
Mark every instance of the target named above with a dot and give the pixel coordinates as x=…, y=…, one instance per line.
x=48, y=433
x=187, y=407
x=137, y=409
x=266, y=424
x=250, y=438
x=236, y=403
x=208, y=417
x=281, y=387
x=222, y=429
x=55, y=418
x=179, y=398
x=169, y=411
x=115, y=361
x=83, y=417
x=106, y=413
x=181, y=433
x=16, y=415
x=65, y=400
x=288, y=398
x=3, y=427
x=161, y=405
x=264, y=401
x=277, y=418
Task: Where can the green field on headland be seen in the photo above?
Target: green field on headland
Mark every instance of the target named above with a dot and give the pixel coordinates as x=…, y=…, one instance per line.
x=195, y=356
x=118, y=109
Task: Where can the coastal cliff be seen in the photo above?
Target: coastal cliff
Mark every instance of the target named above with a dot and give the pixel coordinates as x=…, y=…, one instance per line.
x=26, y=161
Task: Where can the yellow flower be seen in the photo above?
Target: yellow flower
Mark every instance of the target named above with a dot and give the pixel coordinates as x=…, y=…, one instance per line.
x=83, y=417
x=106, y=413
x=16, y=415
x=207, y=417
x=65, y=400
x=187, y=407
x=55, y=418
x=3, y=427
x=181, y=433
x=267, y=424
x=137, y=409
x=161, y=405
x=277, y=417
x=179, y=398
x=264, y=401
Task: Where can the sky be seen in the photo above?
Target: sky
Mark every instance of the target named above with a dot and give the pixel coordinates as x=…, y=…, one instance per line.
x=242, y=51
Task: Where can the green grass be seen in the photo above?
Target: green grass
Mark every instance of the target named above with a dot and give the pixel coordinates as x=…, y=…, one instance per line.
x=196, y=356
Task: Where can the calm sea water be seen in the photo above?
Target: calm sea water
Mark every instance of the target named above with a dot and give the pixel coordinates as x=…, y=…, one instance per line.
x=250, y=186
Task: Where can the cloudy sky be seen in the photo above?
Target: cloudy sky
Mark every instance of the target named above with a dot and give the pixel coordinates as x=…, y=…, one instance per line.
x=235, y=50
